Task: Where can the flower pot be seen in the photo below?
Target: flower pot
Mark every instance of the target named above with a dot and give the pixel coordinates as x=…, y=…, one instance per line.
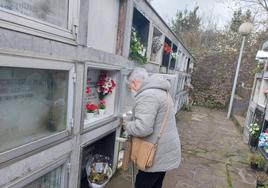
x=253, y=142
x=90, y=115
x=254, y=166
x=101, y=112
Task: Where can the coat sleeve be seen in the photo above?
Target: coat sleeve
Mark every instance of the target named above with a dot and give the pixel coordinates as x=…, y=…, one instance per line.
x=146, y=109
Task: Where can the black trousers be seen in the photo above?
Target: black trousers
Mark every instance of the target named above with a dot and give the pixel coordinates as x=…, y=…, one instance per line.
x=149, y=179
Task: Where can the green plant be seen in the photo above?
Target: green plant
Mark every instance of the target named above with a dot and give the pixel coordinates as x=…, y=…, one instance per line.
x=137, y=49
x=259, y=68
x=256, y=159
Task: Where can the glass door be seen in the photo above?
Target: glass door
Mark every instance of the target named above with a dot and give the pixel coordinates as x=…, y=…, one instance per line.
x=36, y=98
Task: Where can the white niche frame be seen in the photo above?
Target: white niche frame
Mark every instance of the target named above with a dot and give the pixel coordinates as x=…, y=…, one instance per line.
x=8, y=59
x=16, y=21
x=85, y=127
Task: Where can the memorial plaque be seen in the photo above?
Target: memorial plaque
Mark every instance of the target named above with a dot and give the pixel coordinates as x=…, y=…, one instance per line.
x=33, y=104
x=51, y=11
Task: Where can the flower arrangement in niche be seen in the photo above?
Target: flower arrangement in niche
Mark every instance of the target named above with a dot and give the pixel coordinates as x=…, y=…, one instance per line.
x=167, y=48
x=98, y=170
x=254, y=132
x=174, y=55
x=105, y=85
x=263, y=141
x=254, y=129
x=156, y=44
x=137, y=49
x=91, y=108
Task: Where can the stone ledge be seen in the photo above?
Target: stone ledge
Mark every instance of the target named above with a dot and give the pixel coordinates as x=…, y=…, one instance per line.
x=239, y=121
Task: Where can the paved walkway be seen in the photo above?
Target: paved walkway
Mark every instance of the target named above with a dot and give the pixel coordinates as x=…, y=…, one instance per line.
x=214, y=155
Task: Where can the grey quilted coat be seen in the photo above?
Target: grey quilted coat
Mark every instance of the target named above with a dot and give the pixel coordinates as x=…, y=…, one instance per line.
x=149, y=109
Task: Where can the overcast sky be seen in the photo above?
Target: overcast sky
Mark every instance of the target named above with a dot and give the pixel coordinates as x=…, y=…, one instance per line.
x=218, y=9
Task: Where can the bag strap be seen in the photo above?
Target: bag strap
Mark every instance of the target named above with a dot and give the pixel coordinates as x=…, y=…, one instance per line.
x=164, y=123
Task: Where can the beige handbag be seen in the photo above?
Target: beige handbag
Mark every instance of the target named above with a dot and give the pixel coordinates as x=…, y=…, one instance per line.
x=143, y=152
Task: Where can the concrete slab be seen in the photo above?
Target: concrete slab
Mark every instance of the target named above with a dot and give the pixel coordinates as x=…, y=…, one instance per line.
x=213, y=152
x=239, y=122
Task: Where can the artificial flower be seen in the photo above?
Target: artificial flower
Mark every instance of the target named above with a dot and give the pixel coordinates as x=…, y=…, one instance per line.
x=166, y=48
x=105, y=85
x=87, y=89
x=91, y=108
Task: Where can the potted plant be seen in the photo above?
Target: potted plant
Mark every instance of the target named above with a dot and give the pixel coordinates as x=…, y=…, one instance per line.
x=137, y=49
x=256, y=161
x=102, y=107
x=254, y=132
x=262, y=180
x=91, y=109
x=105, y=85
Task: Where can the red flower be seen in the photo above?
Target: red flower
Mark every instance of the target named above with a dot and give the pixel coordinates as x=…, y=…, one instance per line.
x=87, y=89
x=113, y=83
x=167, y=48
x=101, y=82
x=105, y=85
x=91, y=107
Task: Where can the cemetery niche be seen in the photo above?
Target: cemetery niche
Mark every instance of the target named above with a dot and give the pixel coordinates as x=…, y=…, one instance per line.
x=100, y=95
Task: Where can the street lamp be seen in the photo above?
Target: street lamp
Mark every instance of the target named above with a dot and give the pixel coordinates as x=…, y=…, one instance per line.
x=244, y=29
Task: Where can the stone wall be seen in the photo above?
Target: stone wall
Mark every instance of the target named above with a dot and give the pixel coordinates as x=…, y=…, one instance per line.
x=213, y=78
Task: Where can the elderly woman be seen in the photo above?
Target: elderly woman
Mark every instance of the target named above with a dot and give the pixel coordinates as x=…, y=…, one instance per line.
x=150, y=106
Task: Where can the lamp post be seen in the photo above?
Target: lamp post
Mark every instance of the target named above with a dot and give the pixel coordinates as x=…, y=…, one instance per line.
x=244, y=30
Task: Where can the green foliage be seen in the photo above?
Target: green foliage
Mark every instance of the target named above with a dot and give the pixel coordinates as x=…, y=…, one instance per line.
x=256, y=159
x=102, y=106
x=186, y=21
x=137, y=49
x=259, y=68
x=238, y=18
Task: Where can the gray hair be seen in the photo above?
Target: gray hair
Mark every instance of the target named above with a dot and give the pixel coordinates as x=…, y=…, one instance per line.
x=138, y=74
